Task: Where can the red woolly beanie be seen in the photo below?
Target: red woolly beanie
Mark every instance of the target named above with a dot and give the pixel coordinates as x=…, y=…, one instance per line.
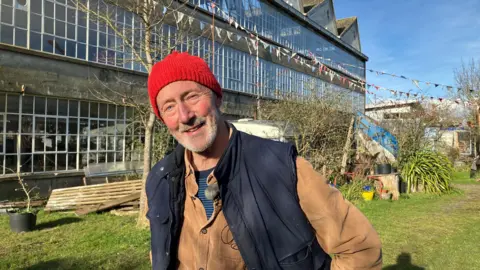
x=180, y=67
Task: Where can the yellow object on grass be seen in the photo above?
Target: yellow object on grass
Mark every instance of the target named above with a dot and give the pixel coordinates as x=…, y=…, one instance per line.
x=368, y=195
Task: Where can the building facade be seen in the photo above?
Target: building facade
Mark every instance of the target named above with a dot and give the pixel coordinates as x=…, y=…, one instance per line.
x=53, y=53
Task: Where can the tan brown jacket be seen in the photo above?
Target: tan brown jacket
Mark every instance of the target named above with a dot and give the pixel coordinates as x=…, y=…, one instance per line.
x=341, y=229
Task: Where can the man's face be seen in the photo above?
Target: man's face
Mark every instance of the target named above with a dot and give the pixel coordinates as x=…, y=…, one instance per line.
x=190, y=112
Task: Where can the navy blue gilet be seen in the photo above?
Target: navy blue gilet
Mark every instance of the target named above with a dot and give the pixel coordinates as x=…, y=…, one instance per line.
x=257, y=181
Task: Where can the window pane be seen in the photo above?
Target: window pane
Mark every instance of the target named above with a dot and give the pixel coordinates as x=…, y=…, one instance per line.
x=102, y=157
x=102, y=127
x=12, y=123
x=71, y=15
x=48, y=9
x=20, y=37
x=35, y=41
x=110, y=143
x=60, y=12
x=71, y=31
x=92, y=54
x=26, y=145
x=39, y=105
x=81, y=34
x=118, y=156
x=52, y=106
x=62, y=107
x=72, y=162
x=10, y=164
x=51, y=125
x=93, y=143
x=82, y=18
x=1, y=127
x=103, y=110
x=92, y=38
x=50, y=162
x=48, y=43
x=120, y=143
x=26, y=163
x=59, y=46
x=61, y=143
x=83, y=143
x=111, y=128
x=111, y=111
x=27, y=124
x=71, y=46
x=81, y=51
x=11, y=143
x=72, y=143
x=120, y=112
x=21, y=18
x=7, y=15
x=61, y=162
x=60, y=28
x=13, y=103
x=49, y=143
x=7, y=34
x=102, y=143
x=38, y=163
x=36, y=23
x=48, y=25
x=83, y=126
x=110, y=157
x=39, y=125
x=36, y=6
x=73, y=107
x=93, y=126
x=102, y=40
x=62, y=126
x=93, y=109
x=1, y=151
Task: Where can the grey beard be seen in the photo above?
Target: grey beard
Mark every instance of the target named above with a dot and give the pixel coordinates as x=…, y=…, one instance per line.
x=212, y=191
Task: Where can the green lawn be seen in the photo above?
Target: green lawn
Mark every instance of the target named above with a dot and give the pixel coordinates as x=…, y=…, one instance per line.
x=64, y=241
x=435, y=232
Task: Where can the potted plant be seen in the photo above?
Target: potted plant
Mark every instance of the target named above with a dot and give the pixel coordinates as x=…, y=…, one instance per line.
x=385, y=195
x=23, y=219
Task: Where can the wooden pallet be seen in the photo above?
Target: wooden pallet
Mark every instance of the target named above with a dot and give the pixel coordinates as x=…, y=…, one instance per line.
x=83, y=196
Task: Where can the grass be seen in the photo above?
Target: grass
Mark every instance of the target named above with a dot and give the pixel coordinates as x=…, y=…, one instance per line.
x=434, y=232
x=64, y=241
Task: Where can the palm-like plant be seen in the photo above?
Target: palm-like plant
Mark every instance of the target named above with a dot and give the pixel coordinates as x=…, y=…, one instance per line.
x=427, y=169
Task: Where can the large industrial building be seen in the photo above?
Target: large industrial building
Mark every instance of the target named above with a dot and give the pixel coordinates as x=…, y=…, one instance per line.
x=52, y=54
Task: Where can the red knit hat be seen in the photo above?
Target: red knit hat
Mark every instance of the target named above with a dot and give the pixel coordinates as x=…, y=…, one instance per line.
x=180, y=67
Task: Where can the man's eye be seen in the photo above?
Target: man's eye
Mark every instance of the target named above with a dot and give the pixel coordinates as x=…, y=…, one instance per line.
x=194, y=96
x=168, y=108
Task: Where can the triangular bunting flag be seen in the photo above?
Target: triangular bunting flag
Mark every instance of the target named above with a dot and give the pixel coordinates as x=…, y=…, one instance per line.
x=236, y=25
x=190, y=20
x=239, y=37
x=219, y=31
x=229, y=35
x=403, y=77
x=427, y=83
x=441, y=99
x=331, y=75
x=202, y=25
x=179, y=17
x=230, y=20
x=449, y=88
x=416, y=84
x=377, y=87
x=436, y=84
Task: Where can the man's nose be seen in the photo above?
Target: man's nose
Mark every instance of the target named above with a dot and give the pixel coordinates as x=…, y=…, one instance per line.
x=185, y=114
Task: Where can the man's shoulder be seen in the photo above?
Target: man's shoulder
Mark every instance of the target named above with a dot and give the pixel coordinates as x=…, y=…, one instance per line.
x=166, y=165
x=256, y=141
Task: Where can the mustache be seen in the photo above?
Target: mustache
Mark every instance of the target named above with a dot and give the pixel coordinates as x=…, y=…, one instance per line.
x=192, y=123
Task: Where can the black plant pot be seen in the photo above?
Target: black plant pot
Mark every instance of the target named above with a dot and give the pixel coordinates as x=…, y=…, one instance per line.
x=22, y=222
x=383, y=169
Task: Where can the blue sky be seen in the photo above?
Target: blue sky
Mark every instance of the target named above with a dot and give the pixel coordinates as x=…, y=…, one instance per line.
x=420, y=39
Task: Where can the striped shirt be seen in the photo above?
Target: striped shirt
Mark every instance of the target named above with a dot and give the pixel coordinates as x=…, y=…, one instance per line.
x=201, y=177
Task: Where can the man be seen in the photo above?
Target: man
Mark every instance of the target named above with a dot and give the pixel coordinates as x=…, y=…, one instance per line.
x=227, y=200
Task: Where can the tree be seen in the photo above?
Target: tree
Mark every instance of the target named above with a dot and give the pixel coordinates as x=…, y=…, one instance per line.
x=319, y=125
x=468, y=80
x=157, y=28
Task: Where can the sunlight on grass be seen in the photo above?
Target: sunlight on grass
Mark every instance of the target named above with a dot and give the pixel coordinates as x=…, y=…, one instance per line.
x=64, y=241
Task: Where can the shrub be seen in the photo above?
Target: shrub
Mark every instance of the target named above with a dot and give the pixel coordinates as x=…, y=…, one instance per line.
x=427, y=170
x=353, y=191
